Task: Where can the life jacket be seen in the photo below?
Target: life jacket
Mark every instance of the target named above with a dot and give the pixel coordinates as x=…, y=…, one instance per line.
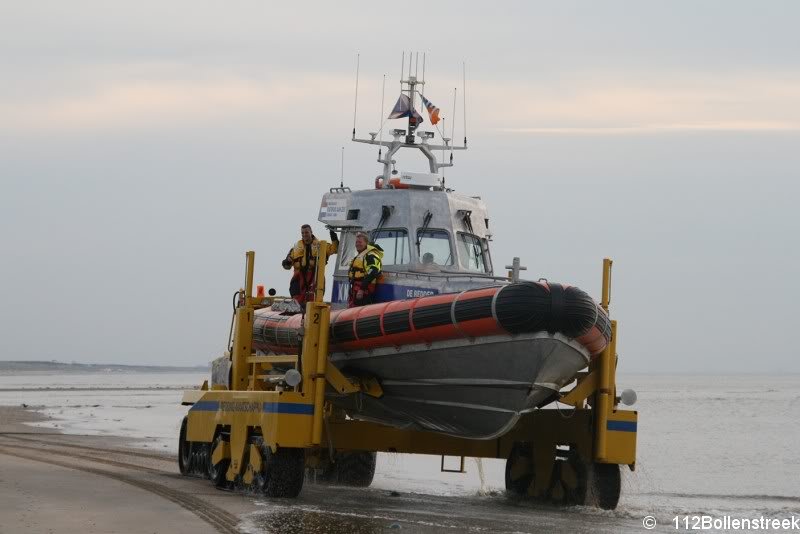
x=368, y=259
x=304, y=261
x=304, y=258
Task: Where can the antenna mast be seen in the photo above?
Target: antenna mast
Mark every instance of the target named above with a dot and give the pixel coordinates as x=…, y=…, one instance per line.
x=380, y=117
x=409, y=87
x=412, y=85
x=453, y=127
x=355, y=104
x=464, y=97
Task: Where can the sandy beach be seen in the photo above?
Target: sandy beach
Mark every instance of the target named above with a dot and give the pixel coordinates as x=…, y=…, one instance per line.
x=59, y=483
x=97, y=453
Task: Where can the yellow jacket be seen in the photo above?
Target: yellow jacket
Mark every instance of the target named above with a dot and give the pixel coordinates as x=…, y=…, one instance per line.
x=303, y=258
x=366, y=266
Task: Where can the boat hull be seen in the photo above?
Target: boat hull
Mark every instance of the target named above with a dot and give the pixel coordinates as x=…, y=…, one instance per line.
x=475, y=388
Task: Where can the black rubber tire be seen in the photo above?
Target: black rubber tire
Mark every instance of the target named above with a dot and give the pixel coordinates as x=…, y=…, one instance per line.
x=284, y=472
x=259, y=477
x=185, y=450
x=353, y=468
x=201, y=455
x=577, y=495
x=605, y=486
x=217, y=472
x=520, y=485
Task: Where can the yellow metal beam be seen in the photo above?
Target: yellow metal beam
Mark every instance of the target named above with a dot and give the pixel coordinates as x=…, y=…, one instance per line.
x=582, y=390
x=242, y=347
x=221, y=451
x=248, y=273
x=606, y=298
x=243, y=331
x=322, y=260
x=339, y=382
x=282, y=358
x=547, y=427
x=371, y=387
x=604, y=404
x=323, y=312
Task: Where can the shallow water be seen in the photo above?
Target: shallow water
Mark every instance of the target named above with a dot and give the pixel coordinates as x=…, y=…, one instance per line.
x=707, y=444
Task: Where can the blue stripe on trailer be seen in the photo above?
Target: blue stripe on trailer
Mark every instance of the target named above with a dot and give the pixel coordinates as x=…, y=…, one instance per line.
x=289, y=408
x=205, y=406
x=621, y=426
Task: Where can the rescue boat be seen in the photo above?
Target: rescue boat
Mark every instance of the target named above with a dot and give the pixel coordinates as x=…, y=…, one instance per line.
x=456, y=349
x=467, y=363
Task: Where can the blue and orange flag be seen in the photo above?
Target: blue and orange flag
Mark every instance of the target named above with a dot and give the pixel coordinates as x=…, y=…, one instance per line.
x=433, y=111
x=403, y=109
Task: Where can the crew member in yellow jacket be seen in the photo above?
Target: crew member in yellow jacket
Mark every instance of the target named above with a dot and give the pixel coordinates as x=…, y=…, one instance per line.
x=303, y=258
x=365, y=271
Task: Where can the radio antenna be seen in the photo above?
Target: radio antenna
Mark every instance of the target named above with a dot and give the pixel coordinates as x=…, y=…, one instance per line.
x=355, y=104
x=444, y=144
x=341, y=176
x=453, y=126
x=464, y=96
x=423, y=73
x=380, y=117
x=402, y=65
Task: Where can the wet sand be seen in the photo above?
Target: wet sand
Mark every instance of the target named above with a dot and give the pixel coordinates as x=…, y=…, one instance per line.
x=51, y=482
x=37, y=497
x=58, y=483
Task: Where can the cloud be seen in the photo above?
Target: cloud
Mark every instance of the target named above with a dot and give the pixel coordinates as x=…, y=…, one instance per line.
x=153, y=96
x=614, y=106
x=119, y=104
x=724, y=126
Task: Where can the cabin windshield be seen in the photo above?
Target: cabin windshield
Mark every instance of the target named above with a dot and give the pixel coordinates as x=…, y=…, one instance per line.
x=434, y=247
x=395, y=246
x=474, y=253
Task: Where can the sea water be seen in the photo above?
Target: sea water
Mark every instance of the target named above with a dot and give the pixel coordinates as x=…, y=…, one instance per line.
x=709, y=444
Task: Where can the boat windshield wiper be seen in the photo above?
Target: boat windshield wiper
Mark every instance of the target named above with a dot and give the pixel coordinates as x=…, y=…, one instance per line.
x=386, y=211
x=425, y=222
x=476, y=251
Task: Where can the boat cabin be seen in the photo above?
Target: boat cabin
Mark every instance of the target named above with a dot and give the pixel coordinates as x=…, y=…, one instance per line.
x=433, y=239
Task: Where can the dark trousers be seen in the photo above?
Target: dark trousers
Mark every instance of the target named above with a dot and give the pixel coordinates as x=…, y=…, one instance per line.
x=367, y=296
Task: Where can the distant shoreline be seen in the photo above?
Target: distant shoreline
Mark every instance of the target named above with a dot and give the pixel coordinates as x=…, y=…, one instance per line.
x=44, y=367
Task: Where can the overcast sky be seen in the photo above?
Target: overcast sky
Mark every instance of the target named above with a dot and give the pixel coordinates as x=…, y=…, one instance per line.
x=144, y=146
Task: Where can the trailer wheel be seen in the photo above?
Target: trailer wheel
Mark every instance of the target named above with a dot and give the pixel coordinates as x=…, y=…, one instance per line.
x=284, y=471
x=519, y=469
x=605, y=486
x=217, y=473
x=185, y=452
x=570, y=480
x=351, y=468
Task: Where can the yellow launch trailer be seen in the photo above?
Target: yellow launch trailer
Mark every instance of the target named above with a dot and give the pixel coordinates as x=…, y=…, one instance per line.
x=267, y=431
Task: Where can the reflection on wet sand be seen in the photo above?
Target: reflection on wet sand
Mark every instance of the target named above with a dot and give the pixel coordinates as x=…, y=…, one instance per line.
x=339, y=510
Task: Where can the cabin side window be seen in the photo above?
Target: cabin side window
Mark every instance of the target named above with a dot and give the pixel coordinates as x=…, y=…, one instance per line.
x=487, y=256
x=434, y=247
x=395, y=246
x=474, y=253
